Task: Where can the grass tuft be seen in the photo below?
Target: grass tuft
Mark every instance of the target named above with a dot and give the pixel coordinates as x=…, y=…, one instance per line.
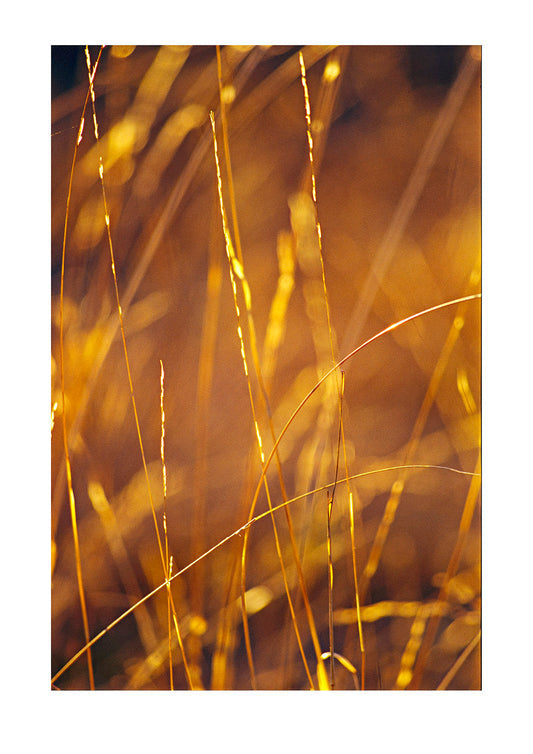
x=293, y=500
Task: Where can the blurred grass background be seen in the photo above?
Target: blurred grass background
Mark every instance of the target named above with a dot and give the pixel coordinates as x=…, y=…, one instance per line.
x=375, y=111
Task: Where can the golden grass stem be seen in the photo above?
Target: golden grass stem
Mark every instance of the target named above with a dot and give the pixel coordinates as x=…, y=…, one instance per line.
x=333, y=358
x=330, y=594
x=165, y=527
x=236, y=269
x=127, y=361
x=236, y=263
x=272, y=341
x=264, y=393
x=72, y=502
x=331, y=498
x=227, y=156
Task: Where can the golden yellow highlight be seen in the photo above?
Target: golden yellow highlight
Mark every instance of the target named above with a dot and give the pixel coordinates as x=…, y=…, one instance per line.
x=465, y=392
x=162, y=447
x=346, y=664
x=323, y=681
x=418, y=626
x=278, y=309
x=122, y=51
x=308, y=121
x=52, y=417
x=168, y=141
x=331, y=71
x=257, y=598
x=390, y=609
x=80, y=132
x=228, y=94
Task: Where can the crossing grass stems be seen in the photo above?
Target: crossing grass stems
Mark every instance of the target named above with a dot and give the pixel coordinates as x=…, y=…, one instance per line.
x=210, y=641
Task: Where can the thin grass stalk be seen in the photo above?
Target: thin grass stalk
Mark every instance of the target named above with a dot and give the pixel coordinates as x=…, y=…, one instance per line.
x=264, y=393
x=226, y=632
x=334, y=63
x=168, y=560
x=256, y=362
x=355, y=578
x=72, y=502
x=275, y=325
x=331, y=80
x=236, y=269
x=127, y=361
x=340, y=388
x=227, y=157
x=221, y=676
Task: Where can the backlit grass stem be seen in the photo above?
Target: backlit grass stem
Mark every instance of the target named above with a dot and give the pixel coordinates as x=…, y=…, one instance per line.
x=128, y=369
x=68, y=469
